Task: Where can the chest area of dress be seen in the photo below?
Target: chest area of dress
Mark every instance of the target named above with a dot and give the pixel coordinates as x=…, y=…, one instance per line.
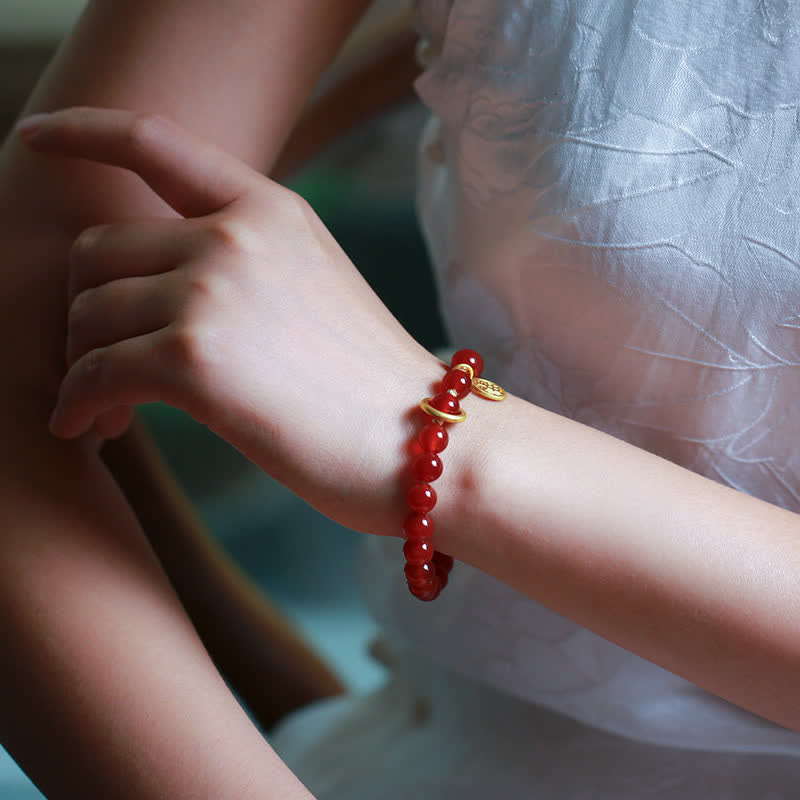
x=666, y=311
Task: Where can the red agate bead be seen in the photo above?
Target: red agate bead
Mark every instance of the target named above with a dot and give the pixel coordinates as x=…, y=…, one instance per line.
x=418, y=551
x=469, y=357
x=457, y=381
x=418, y=526
x=421, y=497
x=445, y=402
x=426, y=594
x=420, y=575
x=442, y=562
x=427, y=467
x=433, y=438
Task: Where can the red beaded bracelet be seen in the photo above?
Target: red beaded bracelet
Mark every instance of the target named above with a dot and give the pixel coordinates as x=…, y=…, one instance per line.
x=427, y=569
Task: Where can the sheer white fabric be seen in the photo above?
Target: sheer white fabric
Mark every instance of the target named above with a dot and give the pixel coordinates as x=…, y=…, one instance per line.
x=610, y=195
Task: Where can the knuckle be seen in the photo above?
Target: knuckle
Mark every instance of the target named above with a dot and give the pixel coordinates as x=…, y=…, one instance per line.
x=85, y=242
x=297, y=207
x=204, y=286
x=188, y=349
x=80, y=311
x=82, y=255
x=232, y=233
x=94, y=371
x=202, y=292
x=143, y=130
x=80, y=325
x=298, y=216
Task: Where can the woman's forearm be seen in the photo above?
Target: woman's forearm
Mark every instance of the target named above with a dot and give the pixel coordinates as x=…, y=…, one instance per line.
x=249, y=639
x=697, y=577
x=105, y=688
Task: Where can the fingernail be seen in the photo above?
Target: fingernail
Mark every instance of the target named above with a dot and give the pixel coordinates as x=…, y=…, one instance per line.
x=28, y=128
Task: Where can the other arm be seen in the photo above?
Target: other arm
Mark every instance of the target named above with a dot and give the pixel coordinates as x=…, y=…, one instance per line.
x=109, y=692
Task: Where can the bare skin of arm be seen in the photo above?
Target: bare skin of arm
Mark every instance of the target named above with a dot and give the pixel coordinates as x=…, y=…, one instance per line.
x=699, y=578
x=106, y=688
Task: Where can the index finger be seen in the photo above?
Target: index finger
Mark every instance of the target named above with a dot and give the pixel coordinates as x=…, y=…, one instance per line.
x=190, y=174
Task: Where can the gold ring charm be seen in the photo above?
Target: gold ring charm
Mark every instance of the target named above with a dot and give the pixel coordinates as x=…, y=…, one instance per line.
x=442, y=415
x=466, y=368
x=488, y=389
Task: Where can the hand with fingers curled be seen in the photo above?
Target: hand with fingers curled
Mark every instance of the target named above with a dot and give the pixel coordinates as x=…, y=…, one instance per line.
x=243, y=311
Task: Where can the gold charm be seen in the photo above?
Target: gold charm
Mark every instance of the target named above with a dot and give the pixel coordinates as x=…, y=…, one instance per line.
x=465, y=368
x=442, y=416
x=487, y=389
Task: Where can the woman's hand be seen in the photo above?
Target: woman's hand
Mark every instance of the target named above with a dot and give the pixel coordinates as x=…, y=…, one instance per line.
x=246, y=314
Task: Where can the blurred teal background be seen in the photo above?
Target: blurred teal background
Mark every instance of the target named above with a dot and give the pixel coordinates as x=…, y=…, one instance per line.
x=363, y=189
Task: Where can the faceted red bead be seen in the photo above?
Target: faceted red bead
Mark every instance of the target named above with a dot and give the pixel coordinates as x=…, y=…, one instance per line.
x=445, y=402
x=420, y=575
x=427, y=467
x=418, y=526
x=426, y=594
x=421, y=497
x=418, y=551
x=458, y=381
x=433, y=438
x=468, y=357
x=443, y=562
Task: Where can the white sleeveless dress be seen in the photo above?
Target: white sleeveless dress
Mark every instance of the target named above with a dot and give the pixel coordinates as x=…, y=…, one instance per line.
x=610, y=193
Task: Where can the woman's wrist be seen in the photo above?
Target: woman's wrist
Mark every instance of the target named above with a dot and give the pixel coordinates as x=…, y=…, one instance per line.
x=465, y=511
x=359, y=475
x=391, y=439
x=461, y=487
